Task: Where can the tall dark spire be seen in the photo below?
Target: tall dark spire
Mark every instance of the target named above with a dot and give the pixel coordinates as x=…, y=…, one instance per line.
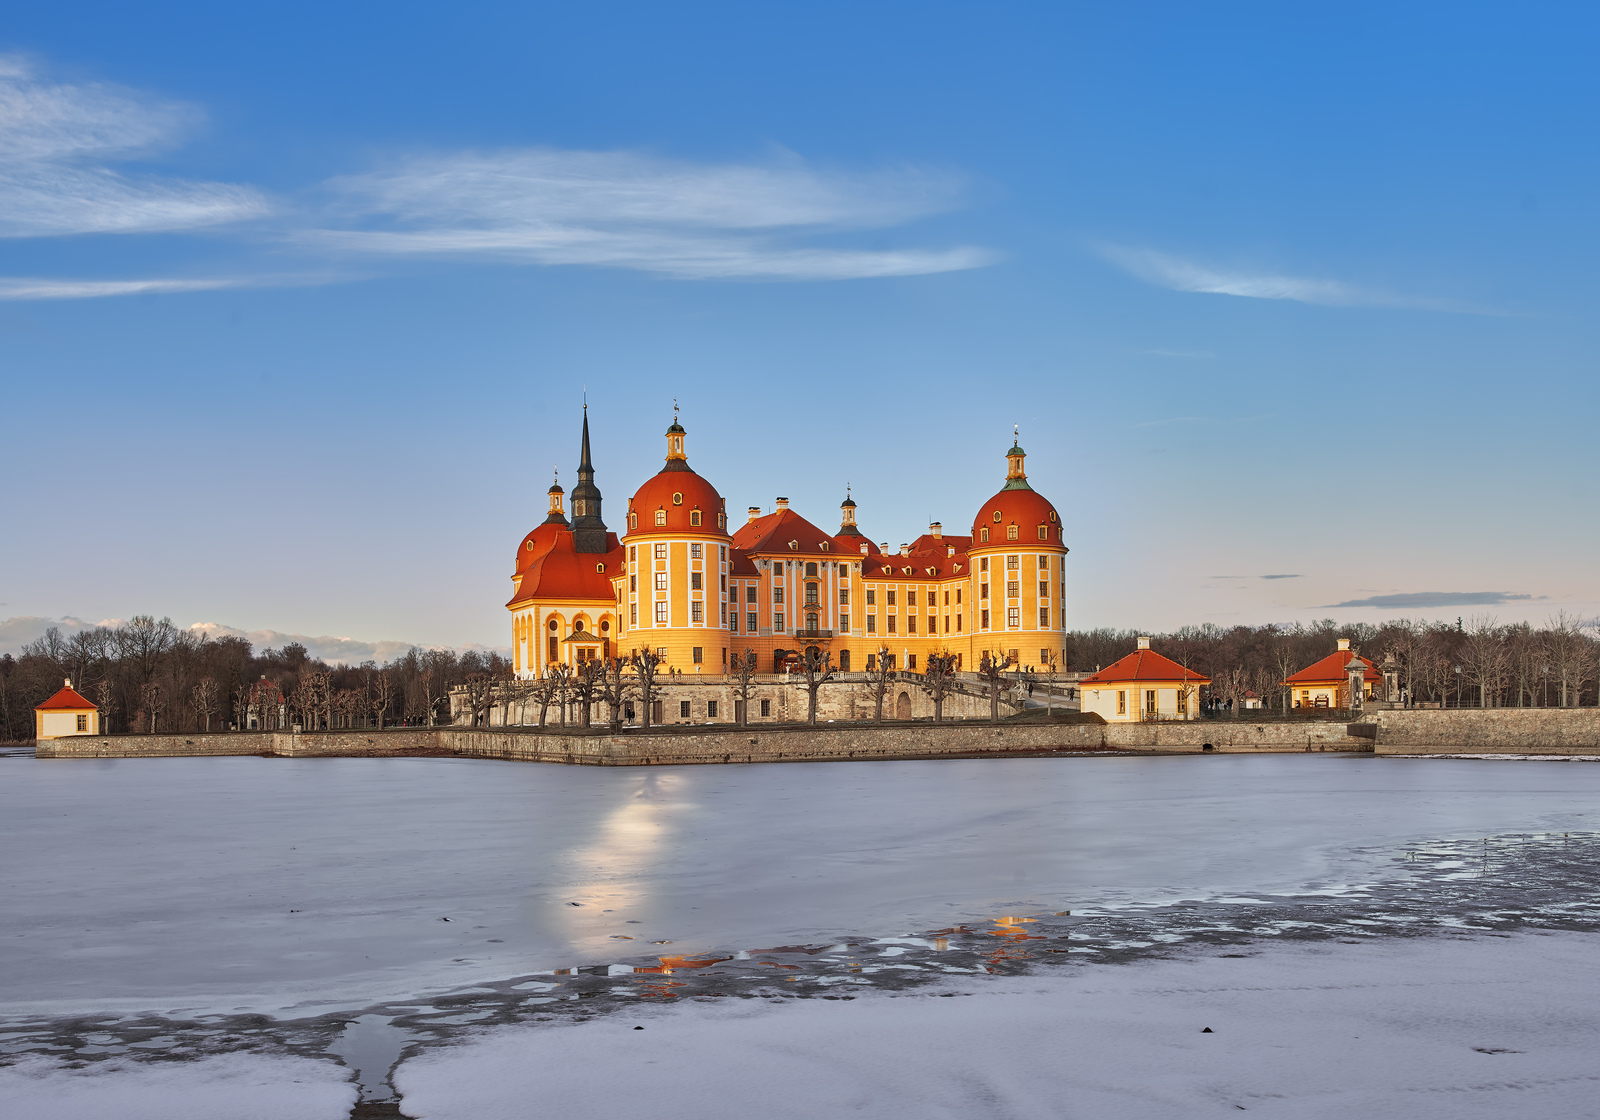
x=588, y=531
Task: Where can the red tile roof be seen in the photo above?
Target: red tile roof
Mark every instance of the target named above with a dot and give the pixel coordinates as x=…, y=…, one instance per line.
x=770, y=536
x=1143, y=665
x=65, y=700
x=562, y=573
x=1331, y=670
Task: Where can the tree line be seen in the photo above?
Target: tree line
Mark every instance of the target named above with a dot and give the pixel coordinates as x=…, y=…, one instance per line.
x=1476, y=662
x=149, y=676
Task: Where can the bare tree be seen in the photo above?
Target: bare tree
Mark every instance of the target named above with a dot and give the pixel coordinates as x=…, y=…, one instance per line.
x=616, y=689
x=1484, y=655
x=153, y=700
x=105, y=700
x=586, y=682
x=880, y=676
x=205, y=696
x=480, y=688
x=744, y=674
x=381, y=696
x=645, y=662
x=1052, y=673
x=939, y=680
x=992, y=668
x=1569, y=655
x=817, y=666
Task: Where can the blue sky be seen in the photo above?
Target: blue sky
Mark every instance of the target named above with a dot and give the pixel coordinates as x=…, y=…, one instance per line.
x=298, y=302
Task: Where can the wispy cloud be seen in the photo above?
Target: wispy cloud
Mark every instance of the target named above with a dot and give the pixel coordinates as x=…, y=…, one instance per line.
x=1283, y=575
x=1167, y=271
x=1434, y=599
x=56, y=141
x=647, y=213
x=16, y=288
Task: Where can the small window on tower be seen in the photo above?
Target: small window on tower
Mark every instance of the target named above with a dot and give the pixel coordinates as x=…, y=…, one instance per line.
x=1044, y=532
x=694, y=552
x=694, y=519
x=997, y=515
x=1011, y=532
x=677, y=499
x=983, y=534
x=661, y=517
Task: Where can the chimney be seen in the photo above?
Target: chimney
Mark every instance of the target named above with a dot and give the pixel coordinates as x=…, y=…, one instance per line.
x=905, y=550
x=883, y=547
x=755, y=512
x=937, y=530
x=1144, y=643
x=783, y=503
x=1344, y=645
x=67, y=682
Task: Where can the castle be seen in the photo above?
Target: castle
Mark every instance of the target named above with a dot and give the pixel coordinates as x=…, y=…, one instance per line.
x=683, y=581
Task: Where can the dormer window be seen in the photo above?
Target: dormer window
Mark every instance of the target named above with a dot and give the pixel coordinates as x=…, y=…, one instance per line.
x=633, y=520
x=661, y=517
x=794, y=546
x=823, y=545
x=983, y=535
x=599, y=567
x=694, y=517
x=1044, y=532
x=1011, y=532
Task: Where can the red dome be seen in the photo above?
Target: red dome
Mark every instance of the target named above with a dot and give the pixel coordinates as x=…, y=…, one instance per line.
x=1025, y=508
x=679, y=493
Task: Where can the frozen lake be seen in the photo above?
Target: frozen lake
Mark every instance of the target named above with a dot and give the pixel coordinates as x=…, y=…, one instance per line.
x=190, y=886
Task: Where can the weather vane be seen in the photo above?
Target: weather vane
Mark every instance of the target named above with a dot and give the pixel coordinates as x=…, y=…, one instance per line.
x=674, y=410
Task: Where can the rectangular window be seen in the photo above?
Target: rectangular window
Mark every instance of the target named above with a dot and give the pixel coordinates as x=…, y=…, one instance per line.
x=724, y=583
x=911, y=624
x=983, y=565
x=872, y=596
x=911, y=661
x=555, y=648
x=1149, y=701
x=933, y=599
x=1044, y=534
x=722, y=551
x=811, y=594
x=958, y=624
x=958, y=596
x=750, y=593
x=696, y=581
x=1044, y=565
x=1012, y=590
x=1012, y=618
x=1044, y=589
x=633, y=583
x=1044, y=618
x=1011, y=532
x=83, y=723
x=891, y=624
x=777, y=622
x=697, y=611
x=683, y=709
x=694, y=552
x=947, y=598
x=661, y=614
x=661, y=581
x=872, y=661
x=777, y=568
x=844, y=596
x=1122, y=703
x=983, y=590
x=844, y=623
x=750, y=622
x=872, y=624
x=1183, y=701
x=633, y=614
x=1012, y=563
x=661, y=550
x=725, y=614
x=891, y=597
x=766, y=707
x=633, y=552
x=711, y=709
x=694, y=655
x=777, y=593
x=985, y=618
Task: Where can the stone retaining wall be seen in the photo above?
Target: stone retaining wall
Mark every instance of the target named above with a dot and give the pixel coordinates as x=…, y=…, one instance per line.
x=722, y=744
x=1488, y=731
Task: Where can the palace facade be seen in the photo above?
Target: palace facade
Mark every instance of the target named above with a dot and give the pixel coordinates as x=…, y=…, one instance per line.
x=683, y=580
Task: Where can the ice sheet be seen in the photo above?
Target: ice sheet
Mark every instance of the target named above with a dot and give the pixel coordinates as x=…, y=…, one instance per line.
x=1436, y=1029
x=186, y=886
x=235, y=1086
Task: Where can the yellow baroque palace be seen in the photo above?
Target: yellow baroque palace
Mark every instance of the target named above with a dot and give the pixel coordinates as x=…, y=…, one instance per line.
x=682, y=580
